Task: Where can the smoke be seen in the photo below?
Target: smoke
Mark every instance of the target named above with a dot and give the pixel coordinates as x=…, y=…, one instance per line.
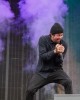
x=6, y=16
x=40, y=15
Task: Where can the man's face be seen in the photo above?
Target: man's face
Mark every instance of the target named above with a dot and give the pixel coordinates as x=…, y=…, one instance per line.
x=57, y=37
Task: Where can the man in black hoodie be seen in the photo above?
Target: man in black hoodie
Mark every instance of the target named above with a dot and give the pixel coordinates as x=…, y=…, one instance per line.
x=52, y=50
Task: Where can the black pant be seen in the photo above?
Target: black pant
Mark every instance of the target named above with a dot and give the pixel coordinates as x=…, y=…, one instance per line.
x=38, y=81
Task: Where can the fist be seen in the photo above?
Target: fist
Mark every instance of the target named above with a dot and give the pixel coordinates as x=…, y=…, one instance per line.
x=59, y=48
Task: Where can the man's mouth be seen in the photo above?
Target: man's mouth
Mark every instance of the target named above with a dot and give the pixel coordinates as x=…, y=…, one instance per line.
x=58, y=39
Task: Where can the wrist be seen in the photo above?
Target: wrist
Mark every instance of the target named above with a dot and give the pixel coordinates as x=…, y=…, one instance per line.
x=54, y=50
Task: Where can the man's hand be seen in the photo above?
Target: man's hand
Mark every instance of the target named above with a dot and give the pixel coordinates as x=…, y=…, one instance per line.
x=59, y=48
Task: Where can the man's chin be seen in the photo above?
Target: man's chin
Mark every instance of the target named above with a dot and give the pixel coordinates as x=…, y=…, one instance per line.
x=58, y=41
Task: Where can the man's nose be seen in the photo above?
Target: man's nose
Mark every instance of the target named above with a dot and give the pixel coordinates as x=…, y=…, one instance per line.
x=61, y=37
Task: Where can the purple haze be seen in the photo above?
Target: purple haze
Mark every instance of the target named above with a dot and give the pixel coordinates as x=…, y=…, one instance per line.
x=5, y=16
x=5, y=19
x=40, y=15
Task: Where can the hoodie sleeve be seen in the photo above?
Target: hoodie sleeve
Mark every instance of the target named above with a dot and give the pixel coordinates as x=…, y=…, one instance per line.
x=43, y=53
x=65, y=45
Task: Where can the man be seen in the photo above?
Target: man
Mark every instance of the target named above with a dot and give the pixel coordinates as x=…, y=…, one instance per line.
x=52, y=49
